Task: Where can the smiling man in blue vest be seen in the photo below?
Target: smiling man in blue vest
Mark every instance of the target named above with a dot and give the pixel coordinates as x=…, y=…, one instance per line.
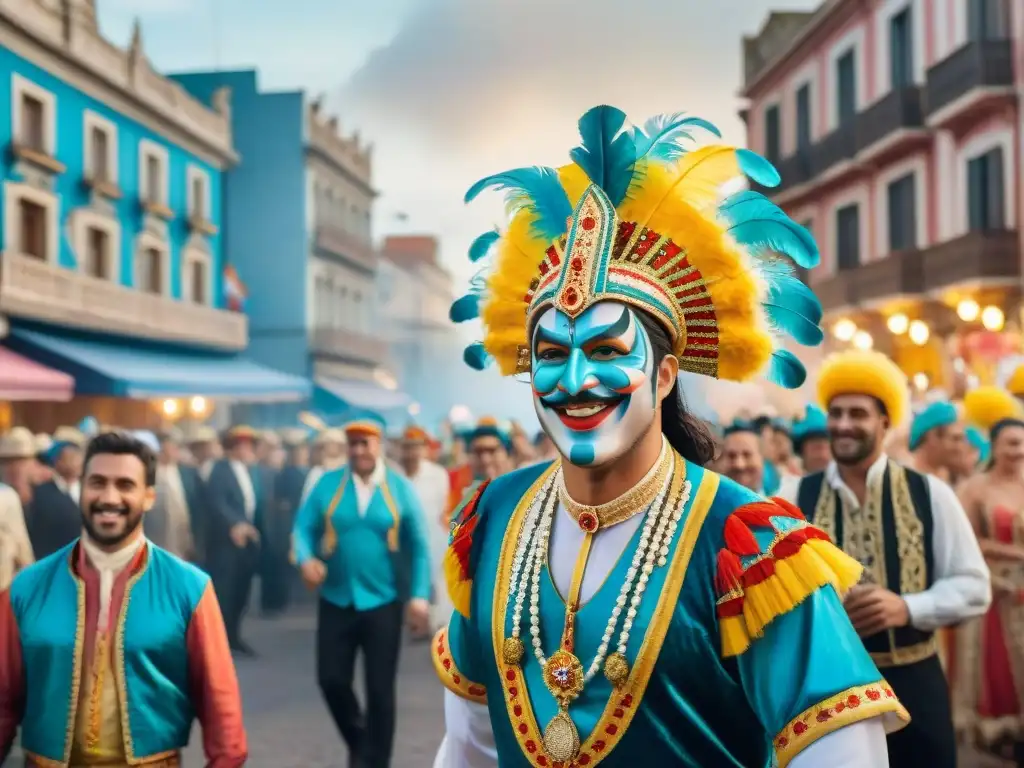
x=360, y=542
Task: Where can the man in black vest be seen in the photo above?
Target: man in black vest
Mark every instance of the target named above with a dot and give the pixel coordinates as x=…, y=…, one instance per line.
x=923, y=568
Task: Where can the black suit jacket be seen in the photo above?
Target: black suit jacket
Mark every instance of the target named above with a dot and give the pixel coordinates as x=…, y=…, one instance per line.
x=54, y=519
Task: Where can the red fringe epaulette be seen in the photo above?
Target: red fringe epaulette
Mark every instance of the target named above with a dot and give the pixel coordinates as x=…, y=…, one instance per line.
x=756, y=584
x=458, y=570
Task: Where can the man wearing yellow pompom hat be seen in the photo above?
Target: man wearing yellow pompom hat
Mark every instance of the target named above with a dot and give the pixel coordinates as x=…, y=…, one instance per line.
x=922, y=566
x=623, y=605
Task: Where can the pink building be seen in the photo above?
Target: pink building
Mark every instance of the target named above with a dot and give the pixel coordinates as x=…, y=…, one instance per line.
x=896, y=127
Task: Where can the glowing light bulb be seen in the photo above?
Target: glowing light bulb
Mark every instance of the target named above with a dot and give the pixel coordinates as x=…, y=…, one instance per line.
x=197, y=405
x=921, y=381
x=919, y=333
x=898, y=323
x=968, y=310
x=992, y=318
x=844, y=330
x=863, y=340
x=170, y=407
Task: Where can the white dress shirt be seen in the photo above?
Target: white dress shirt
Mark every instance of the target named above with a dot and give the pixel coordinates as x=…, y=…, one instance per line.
x=245, y=483
x=72, y=489
x=366, y=488
x=469, y=740
x=960, y=586
x=109, y=565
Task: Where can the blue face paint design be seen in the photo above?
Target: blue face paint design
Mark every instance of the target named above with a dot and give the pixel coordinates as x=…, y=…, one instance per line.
x=593, y=384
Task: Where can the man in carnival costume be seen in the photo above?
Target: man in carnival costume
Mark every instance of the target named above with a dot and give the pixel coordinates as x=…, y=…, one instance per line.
x=742, y=460
x=922, y=566
x=810, y=440
x=570, y=578
x=935, y=439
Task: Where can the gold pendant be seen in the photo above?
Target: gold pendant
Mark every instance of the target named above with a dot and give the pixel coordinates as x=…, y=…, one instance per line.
x=563, y=676
x=561, y=739
x=616, y=669
x=512, y=651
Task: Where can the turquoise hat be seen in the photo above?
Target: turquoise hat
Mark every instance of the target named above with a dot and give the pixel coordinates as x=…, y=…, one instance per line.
x=813, y=424
x=487, y=427
x=977, y=438
x=741, y=425
x=932, y=417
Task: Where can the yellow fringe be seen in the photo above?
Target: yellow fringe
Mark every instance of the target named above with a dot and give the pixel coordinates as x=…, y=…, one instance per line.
x=460, y=589
x=817, y=564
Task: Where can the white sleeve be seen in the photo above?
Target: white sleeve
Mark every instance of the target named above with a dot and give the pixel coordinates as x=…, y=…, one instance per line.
x=858, y=745
x=468, y=740
x=789, y=487
x=961, y=588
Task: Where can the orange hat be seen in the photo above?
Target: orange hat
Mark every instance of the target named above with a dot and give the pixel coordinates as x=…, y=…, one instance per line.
x=365, y=424
x=414, y=434
x=239, y=433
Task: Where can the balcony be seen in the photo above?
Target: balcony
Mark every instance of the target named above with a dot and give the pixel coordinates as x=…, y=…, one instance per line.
x=899, y=110
x=980, y=64
x=836, y=148
x=974, y=257
x=794, y=170
x=36, y=290
x=350, y=345
x=897, y=274
x=337, y=243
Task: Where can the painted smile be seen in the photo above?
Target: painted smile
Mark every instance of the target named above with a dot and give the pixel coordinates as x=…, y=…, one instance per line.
x=584, y=417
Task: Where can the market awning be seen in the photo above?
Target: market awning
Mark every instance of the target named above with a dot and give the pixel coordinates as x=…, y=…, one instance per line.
x=22, y=379
x=143, y=372
x=357, y=394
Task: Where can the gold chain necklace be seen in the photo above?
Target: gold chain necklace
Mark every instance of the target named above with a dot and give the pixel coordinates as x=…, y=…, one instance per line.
x=592, y=518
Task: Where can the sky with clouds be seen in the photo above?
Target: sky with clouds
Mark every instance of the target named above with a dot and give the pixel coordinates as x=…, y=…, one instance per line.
x=452, y=90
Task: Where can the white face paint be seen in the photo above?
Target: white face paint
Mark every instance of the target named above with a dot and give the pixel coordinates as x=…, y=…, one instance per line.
x=594, y=388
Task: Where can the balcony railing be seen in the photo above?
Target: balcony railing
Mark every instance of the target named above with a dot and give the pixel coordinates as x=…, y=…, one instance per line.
x=898, y=273
x=978, y=64
x=975, y=256
x=338, y=342
x=34, y=289
x=899, y=109
x=838, y=146
x=342, y=244
x=795, y=169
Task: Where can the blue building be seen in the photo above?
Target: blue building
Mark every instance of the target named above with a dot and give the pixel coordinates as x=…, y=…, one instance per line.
x=112, y=215
x=297, y=227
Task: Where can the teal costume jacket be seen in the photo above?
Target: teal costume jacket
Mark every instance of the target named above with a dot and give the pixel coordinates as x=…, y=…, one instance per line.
x=694, y=696
x=361, y=569
x=152, y=661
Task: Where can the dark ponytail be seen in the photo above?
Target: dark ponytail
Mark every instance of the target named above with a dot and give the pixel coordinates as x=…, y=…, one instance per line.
x=687, y=434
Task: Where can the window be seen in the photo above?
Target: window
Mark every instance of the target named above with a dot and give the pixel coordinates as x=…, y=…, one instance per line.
x=100, y=148
x=198, y=194
x=902, y=202
x=846, y=86
x=97, y=253
x=153, y=173
x=33, y=229
x=32, y=131
x=197, y=286
x=772, y=139
x=848, y=237
x=988, y=19
x=99, y=154
x=803, y=117
x=33, y=117
x=901, y=50
x=154, y=179
x=149, y=270
x=986, y=192
x=802, y=273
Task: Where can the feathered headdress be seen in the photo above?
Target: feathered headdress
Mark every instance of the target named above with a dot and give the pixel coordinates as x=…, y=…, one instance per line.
x=638, y=219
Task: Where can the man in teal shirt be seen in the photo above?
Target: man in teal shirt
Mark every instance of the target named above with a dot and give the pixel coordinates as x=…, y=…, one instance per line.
x=360, y=541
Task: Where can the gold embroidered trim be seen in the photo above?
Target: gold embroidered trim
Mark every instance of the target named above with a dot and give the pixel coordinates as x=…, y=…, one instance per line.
x=911, y=654
x=76, y=669
x=861, y=702
x=623, y=704
x=449, y=674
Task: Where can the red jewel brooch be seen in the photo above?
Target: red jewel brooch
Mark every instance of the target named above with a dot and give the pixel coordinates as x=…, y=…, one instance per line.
x=588, y=521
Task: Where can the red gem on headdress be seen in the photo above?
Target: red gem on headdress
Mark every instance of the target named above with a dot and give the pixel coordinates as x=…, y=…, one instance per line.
x=588, y=521
x=570, y=297
x=576, y=264
x=589, y=223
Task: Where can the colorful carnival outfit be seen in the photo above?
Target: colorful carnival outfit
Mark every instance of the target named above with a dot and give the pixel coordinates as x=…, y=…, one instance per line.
x=988, y=665
x=107, y=658
x=689, y=622
x=913, y=538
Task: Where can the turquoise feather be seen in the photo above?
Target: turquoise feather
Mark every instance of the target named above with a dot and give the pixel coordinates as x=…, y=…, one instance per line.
x=761, y=236
x=661, y=137
x=465, y=308
x=476, y=357
x=482, y=245
x=757, y=168
x=538, y=190
x=608, y=153
x=786, y=370
x=794, y=310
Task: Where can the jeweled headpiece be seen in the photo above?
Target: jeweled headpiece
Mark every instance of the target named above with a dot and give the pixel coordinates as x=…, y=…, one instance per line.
x=637, y=218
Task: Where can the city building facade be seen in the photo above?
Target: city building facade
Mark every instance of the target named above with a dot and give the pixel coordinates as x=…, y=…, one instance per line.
x=896, y=129
x=415, y=293
x=298, y=228
x=112, y=250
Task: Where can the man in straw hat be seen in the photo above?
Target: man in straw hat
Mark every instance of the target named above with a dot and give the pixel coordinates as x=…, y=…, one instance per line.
x=15, y=547
x=18, y=462
x=576, y=638
x=360, y=541
x=922, y=566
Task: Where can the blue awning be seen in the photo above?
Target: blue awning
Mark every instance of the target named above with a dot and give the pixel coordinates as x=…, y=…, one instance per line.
x=143, y=372
x=358, y=394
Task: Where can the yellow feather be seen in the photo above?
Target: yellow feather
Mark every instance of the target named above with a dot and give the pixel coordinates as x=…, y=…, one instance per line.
x=697, y=178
